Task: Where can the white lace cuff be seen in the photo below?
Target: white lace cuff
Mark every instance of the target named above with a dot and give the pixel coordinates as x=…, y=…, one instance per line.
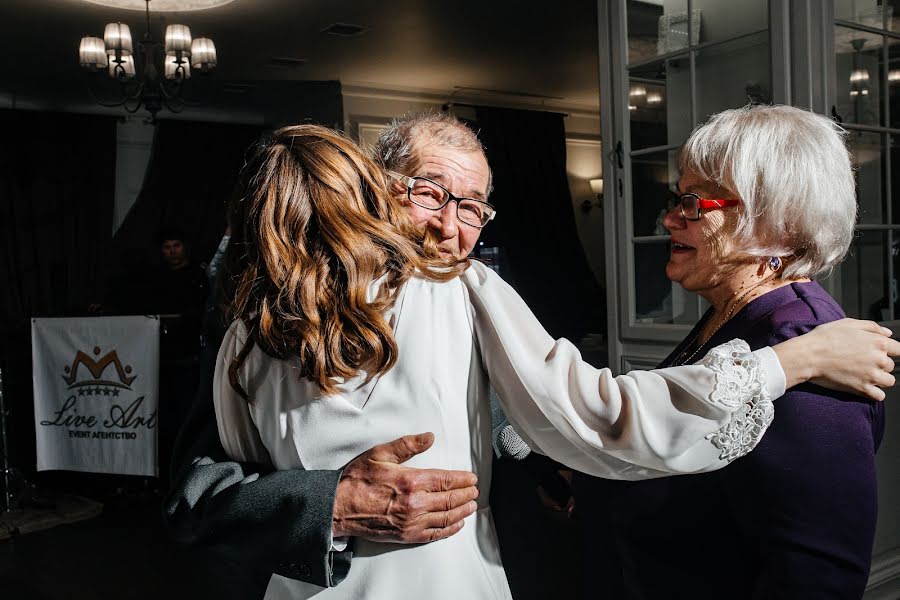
x=743, y=385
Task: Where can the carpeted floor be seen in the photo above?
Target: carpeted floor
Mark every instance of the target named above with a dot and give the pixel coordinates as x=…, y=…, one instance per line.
x=123, y=552
x=64, y=508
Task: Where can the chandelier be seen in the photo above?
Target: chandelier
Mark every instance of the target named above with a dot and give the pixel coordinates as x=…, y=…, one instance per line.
x=154, y=77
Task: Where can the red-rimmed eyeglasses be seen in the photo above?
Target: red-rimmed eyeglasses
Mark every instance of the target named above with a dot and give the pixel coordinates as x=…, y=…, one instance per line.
x=693, y=206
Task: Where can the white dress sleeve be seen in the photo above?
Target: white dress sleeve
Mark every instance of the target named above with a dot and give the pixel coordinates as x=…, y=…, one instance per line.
x=237, y=431
x=645, y=424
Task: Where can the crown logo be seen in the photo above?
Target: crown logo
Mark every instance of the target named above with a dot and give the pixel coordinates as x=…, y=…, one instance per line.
x=96, y=369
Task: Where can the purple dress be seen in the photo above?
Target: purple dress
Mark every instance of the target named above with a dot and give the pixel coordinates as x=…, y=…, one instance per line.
x=795, y=518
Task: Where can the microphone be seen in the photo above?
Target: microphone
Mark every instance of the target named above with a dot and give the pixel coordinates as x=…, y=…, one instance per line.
x=509, y=444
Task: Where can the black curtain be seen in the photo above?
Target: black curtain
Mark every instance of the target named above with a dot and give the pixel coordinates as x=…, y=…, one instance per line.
x=57, y=189
x=535, y=223
x=192, y=173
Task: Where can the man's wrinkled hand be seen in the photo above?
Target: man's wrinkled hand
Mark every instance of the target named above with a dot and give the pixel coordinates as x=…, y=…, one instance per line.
x=380, y=499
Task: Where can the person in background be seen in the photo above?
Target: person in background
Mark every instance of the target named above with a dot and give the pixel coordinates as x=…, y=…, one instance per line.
x=214, y=325
x=176, y=289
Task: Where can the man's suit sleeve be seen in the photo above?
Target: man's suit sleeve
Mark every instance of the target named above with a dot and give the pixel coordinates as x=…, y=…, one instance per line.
x=271, y=521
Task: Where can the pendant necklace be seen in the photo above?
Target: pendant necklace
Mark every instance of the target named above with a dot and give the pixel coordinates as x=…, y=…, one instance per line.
x=681, y=360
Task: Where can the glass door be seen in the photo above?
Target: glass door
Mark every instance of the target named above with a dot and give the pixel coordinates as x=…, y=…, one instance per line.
x=672, y=63
x=867, y=89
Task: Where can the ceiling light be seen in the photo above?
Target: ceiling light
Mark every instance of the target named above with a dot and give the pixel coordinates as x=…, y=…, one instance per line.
x=859, y=76
x=163, y=5
x=138, y=76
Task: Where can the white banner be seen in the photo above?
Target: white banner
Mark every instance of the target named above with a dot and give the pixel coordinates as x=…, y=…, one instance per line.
x=96, y=394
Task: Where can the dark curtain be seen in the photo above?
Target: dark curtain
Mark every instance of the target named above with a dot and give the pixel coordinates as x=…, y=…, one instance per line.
x=535, y=224
x=192, y=173
x=57, y=188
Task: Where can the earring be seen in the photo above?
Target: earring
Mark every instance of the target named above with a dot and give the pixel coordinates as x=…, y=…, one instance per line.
x=775, y=263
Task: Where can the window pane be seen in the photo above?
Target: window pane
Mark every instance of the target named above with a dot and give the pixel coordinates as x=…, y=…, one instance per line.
x=652, y=176
x=894, y=81
x=895, y=178
x=721, y=21
x=659, y=101
x=731, y=74
x=646, y=20
x=866, y=150
x=864, y=277
x=864, y=12
x=658, y=300
x=858, y=70
x=893, y=17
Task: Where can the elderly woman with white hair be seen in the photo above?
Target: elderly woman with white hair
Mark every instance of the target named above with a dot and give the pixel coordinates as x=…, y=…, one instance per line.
x=765, y=202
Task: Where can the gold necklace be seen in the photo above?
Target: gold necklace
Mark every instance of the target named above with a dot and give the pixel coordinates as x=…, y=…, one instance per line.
x=678, y=361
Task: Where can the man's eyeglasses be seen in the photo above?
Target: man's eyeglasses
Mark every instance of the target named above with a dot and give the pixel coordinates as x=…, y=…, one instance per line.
x=432, y=195
x=693, y=206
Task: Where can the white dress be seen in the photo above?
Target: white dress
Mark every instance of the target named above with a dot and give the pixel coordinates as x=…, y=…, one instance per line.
x=456, y=339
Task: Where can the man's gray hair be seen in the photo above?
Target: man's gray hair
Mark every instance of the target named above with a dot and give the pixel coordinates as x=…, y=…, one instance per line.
x=792, y=171
x=396, y=144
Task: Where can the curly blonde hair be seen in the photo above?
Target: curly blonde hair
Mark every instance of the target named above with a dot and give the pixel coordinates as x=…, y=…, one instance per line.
x=314, y=227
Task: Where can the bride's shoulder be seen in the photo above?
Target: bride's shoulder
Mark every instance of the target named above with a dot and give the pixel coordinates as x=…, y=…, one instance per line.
x=479, y=272
x=475, y=275
x=237, y=331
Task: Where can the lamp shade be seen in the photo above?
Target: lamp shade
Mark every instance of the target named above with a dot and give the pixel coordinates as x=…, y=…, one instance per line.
x=859, y=76
x=175, y=70
x=203, y=54
x=637, y=91
x=124, y=69
x=597, y=186
x=178, y=39
x=92, y=53
x=118, y=39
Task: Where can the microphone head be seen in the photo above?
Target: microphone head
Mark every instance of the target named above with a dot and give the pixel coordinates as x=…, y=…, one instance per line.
x=510, y=444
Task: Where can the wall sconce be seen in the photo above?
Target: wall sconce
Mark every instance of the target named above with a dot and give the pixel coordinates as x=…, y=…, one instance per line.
x=597, y=188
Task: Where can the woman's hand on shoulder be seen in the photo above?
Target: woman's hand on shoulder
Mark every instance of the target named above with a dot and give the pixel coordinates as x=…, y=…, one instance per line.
x=848, y=355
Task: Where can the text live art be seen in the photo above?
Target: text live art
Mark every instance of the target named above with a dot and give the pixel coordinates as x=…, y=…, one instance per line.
x=96, y=394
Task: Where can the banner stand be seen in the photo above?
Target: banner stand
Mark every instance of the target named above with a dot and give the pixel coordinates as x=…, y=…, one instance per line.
x=12, y=478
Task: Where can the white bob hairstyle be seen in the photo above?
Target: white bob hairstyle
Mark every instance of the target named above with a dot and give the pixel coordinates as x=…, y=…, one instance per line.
x=792, y=172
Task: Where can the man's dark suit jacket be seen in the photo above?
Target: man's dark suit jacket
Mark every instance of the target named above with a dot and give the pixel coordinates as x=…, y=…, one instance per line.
x=267, y=521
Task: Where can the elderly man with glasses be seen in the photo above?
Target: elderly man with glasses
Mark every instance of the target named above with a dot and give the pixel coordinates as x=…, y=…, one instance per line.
x=297, y=523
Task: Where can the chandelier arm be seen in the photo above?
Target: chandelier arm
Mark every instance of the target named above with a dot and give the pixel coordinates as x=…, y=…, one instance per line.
x=205, y=95
x=104, y=103
x=171, y=88
x=136, y=108
x=172, y=96
x=174, y=108
x=182, y=102
x=136, y=96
